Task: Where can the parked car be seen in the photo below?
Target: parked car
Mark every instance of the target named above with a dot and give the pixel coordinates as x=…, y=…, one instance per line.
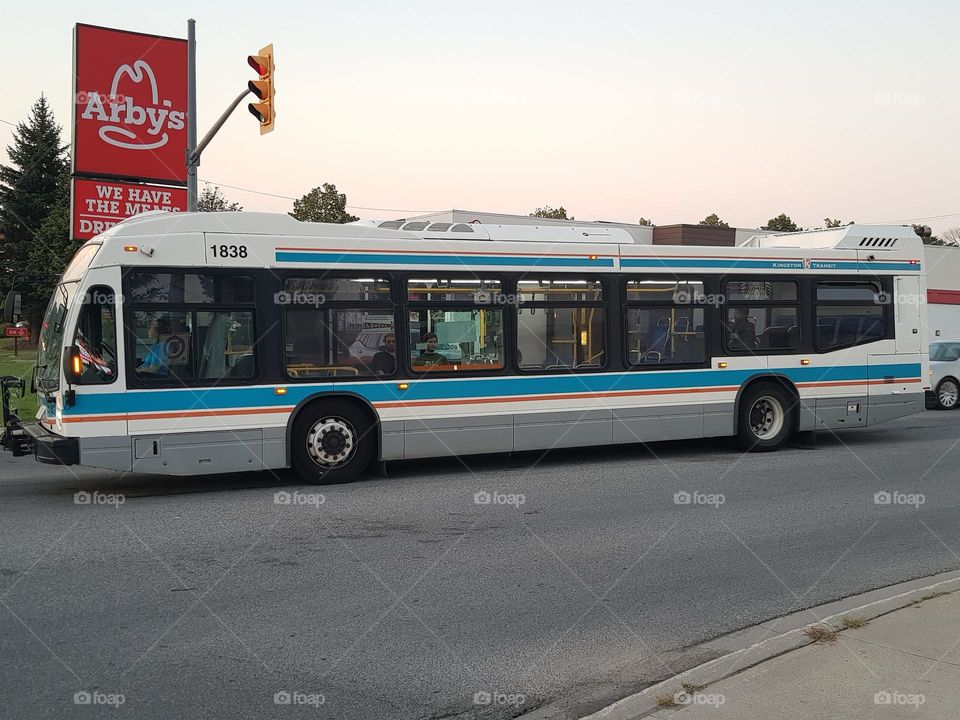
x=944, y=374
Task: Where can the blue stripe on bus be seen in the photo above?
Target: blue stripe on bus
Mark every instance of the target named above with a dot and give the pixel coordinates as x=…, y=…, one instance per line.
x=164, y=400
x=395, y=259
x=766, y=264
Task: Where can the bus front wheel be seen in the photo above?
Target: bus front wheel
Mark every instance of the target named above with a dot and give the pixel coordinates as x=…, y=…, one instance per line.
x=765, y=418
x=332, y=442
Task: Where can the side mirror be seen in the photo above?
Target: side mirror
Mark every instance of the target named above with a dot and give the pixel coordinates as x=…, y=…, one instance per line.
x=72, y=370
x=11, y=307
x=72, y=364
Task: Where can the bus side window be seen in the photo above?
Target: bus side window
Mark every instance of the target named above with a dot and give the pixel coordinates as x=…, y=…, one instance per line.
x=96, y=337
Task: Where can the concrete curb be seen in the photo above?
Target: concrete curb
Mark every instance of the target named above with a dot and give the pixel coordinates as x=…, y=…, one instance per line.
x=753, y=645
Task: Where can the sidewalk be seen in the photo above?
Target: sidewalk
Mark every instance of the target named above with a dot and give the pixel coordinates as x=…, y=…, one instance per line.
x=902, y=665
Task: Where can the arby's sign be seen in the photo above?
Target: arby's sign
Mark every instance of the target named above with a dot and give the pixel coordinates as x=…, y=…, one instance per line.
x=130, y=105
x=100, y=204
x=129, y=127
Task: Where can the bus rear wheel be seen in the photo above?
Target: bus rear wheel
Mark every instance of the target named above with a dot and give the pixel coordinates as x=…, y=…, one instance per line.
x=332, y=442
x=765, y=418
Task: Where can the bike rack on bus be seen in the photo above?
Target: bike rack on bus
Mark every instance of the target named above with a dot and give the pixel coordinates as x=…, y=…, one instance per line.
x=12, y=435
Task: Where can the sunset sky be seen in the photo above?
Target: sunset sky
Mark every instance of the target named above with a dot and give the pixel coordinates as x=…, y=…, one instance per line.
x=615, y=110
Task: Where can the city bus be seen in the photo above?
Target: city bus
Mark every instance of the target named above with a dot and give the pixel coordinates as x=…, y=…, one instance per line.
x=196, y=343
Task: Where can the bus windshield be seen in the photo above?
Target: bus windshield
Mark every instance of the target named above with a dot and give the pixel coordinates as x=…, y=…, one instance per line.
x=51, y=337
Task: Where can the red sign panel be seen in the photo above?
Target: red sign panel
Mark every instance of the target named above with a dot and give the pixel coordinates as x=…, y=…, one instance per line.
x=18, y=332
x=101, y=204
x=130, y=105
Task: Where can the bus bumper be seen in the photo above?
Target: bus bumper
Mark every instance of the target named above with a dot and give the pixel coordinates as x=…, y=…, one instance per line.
x=52, y=449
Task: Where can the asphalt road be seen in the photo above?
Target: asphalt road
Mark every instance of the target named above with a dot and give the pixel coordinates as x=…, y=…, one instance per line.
x=399, y=597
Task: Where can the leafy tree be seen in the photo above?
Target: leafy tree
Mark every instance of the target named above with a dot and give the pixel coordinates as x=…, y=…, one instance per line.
x=928, y=237
x=951, y=236
x=323, y=204
x=645, y=221
x=830, y=223
x=546, y=211
x=781, y=223
x=31, y=187
x=713, y=220
x=212, y=199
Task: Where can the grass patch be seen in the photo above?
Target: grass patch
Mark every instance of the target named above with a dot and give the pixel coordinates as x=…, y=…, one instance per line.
x=929, y=596
x=22, y=367
x=692, y=687
x=666, y=701
x=821, y=633
x=852, y=622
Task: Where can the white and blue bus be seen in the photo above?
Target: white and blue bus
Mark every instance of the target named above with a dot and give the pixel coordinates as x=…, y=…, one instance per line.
x=218, y=342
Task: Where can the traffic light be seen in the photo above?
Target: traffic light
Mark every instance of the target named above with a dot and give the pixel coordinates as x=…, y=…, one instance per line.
x=262, y=88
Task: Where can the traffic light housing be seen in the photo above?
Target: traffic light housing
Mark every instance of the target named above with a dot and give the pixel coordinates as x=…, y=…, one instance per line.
x=262, y=88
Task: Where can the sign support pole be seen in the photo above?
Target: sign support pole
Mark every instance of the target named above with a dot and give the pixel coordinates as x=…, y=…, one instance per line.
x=191, y=161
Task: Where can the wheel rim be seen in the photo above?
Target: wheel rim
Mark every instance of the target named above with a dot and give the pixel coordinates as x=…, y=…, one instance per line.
x=766, y=417
x=948, y=393
x=331, y=442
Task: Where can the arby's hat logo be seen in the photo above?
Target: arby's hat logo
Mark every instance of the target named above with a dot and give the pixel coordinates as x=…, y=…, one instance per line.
x=135, y=116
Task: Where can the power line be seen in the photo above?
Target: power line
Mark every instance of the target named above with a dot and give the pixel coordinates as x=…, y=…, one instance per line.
x=287, y=197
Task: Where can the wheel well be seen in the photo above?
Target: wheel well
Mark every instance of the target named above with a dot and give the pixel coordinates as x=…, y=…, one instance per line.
x=780, y=380
x=948, y=377
x=362, y=403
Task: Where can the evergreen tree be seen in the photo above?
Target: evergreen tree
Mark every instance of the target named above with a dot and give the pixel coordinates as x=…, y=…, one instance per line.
x=31, y=187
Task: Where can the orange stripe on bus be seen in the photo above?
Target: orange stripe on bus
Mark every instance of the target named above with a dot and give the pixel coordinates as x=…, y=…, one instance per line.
x=185, y=414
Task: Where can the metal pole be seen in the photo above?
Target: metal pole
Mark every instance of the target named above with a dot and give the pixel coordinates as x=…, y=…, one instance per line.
x=194, y=159
x=191, y=161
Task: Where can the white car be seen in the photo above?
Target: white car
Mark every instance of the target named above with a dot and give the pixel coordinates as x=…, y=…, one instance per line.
x=945, y=374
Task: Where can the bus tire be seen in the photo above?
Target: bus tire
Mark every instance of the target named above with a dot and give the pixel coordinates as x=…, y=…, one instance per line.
x=765, y=417
x=331, y=442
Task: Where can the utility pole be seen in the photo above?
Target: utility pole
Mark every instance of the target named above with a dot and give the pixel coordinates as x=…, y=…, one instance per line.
x=191, y=116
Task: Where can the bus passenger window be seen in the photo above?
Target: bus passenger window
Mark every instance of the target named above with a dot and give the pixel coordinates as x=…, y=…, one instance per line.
x=560, y=324
x=456, y=340
x=338, y=327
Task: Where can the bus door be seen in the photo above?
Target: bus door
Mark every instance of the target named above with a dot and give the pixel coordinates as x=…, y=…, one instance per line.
x=895, y=381
x=95, y=339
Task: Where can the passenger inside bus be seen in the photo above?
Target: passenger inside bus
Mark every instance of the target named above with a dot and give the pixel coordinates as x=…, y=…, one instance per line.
x=743, y=335
x=429, y=355
x=156, y=361
x=385, y=361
